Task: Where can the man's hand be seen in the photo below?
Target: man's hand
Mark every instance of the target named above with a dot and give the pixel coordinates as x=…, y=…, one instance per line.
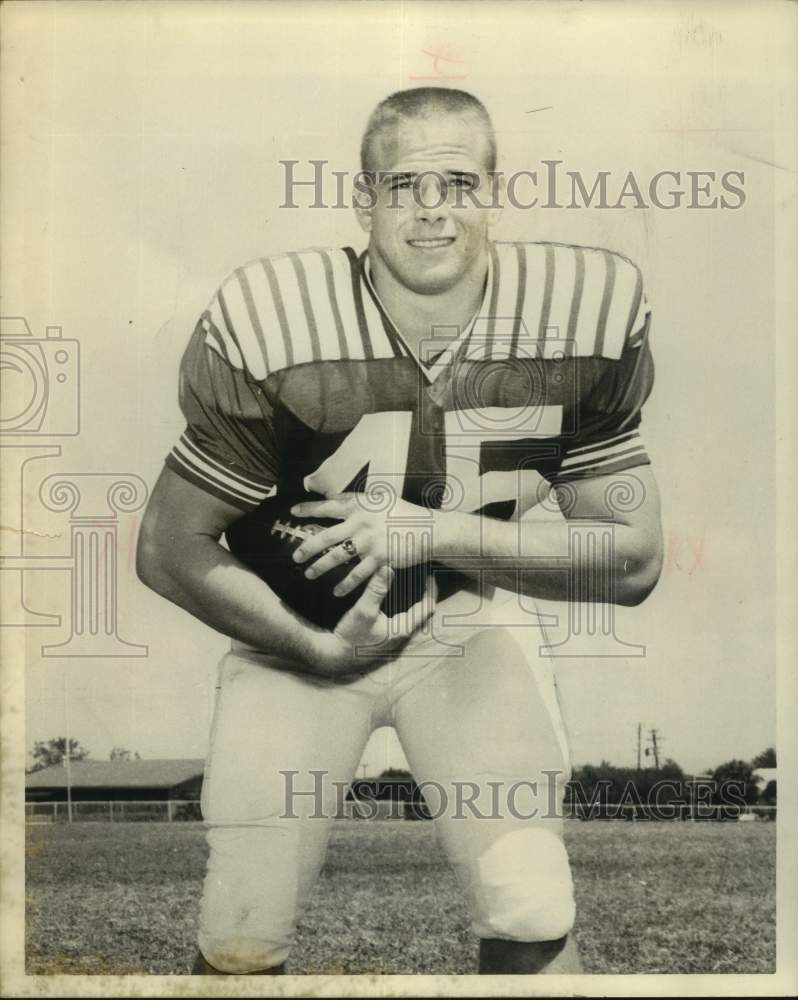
x=364, y=637
x=179, y=556
x=370, y=535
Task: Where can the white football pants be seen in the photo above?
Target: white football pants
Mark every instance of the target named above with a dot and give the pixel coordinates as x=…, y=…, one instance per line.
x=483, y=735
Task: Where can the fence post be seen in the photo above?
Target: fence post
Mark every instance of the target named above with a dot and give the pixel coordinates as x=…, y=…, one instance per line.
x=111, y=811
x=169, y=810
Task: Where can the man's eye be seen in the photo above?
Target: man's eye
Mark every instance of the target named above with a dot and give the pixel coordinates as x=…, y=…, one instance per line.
x=401, y=184
x=463, y=181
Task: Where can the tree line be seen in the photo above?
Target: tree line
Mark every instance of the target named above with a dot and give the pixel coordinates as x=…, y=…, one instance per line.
x=732, y=782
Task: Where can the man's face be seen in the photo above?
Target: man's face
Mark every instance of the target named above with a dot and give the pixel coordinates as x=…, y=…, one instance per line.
x=425, y=227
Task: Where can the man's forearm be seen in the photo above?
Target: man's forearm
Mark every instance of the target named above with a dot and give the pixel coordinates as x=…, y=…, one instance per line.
x=213, y=586
x=551, y=560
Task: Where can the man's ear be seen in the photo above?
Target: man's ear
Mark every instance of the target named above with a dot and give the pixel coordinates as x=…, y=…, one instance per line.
x=363, y=215
x=496, y=189
x=364, y=198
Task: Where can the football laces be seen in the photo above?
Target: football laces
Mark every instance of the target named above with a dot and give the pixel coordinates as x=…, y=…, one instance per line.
x=299, y=532
x=287, y=529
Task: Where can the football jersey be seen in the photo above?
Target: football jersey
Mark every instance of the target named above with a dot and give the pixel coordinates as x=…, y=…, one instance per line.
x=297, y=380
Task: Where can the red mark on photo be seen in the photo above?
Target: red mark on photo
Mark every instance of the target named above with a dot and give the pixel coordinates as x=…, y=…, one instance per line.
x=685, y=554
x=441, y=55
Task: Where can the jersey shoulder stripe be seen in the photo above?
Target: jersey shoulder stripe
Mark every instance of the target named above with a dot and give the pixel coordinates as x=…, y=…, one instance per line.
x=193, y=463
x=277, y=312
x=553, y=299
x=617, y=453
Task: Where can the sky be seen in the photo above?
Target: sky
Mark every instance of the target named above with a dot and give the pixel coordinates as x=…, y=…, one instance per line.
x=146, y=166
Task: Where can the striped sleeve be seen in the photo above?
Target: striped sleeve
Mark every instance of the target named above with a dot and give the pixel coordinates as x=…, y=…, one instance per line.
x=227, y=448
x=608, y=438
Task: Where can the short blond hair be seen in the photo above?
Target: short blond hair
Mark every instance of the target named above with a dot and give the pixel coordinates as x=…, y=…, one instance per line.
x=422, y=102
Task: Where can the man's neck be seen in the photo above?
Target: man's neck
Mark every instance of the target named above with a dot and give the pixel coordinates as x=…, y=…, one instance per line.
x=418, y=316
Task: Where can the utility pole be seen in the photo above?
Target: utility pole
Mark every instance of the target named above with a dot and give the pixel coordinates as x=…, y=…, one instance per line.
x=639, y=742
x=653, y=751
x=67, y=755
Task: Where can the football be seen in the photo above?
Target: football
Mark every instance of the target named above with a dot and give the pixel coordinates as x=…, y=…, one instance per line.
x=265, y=540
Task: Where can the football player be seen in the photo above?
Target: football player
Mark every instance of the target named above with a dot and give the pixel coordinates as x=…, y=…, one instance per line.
x=432, y=390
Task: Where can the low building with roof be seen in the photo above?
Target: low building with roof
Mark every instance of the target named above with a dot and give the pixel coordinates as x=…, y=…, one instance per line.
x=117, y=780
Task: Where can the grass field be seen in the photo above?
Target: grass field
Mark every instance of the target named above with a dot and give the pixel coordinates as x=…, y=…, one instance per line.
x=657, y=897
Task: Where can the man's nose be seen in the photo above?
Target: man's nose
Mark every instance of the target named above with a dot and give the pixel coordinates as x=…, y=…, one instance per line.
x=431, y=193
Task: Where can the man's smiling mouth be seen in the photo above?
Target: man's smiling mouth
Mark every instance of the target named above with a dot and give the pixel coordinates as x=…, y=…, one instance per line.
x=432, y=244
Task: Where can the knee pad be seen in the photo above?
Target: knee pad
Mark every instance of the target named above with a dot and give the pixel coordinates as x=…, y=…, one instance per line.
x=524, y=888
